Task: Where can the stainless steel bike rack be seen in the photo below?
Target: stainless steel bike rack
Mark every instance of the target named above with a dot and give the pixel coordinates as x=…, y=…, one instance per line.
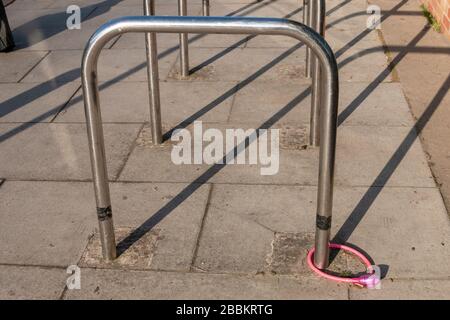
x=184, y=43
x=152, y=64
x=215, y=25
x=317, y=22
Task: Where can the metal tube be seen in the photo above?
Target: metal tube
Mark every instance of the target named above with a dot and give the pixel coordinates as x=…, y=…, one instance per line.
x=153, y=77
x=318, y=24
x=306, y=21
x=184, y=45
x=205, y=7
x=219, y=25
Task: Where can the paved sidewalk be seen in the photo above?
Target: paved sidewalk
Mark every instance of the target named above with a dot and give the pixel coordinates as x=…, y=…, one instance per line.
x=206, y=234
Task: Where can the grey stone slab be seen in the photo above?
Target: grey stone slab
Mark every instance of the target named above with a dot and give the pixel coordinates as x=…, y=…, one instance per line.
x=262, y=229
x=406, y=290
x=360, y=104
x=381, y=156
x=113, y=65
x=119, y=102
x=128, y=102
x=365, y=156
x=58, y=66
x=45, y=223
x=23, y=102
x=29, y=5
x=242, y=222
x=105, y=13
x=356, y=66
x=374, y=105
x=173, y=211
x=245, y=64
x=15, y=65
x=108, y=284
x=166, y=42
x=37, y=233
x=19, y=283
x=62, y=4
x=47, y=38
x=273, y=9
x=405, y=229
x=59, y=151
x=130, y=65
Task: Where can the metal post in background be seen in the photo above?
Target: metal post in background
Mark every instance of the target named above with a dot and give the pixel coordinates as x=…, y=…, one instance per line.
x=6, y=37
x=218, y=25
x=306, y=21
x=317, y=20
x=184, y=49
x=153, y=77
x=205, y=8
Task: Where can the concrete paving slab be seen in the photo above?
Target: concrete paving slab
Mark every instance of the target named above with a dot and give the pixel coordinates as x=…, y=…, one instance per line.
x=365, y=156
x=117, y=106
x=173, y=211
x=268, y=64
x=58, y=66
x=406, y=229
x=36, y=233
x=406, y=290
x=166, y=42
x=130, y=65
x=30, y=5
x=260, y=100
x=109, y=284
x=23, y=102
x=15, y=65
x=240, y=226
x=48, y=39
x=114, y=65
x=31, y=283
x=59, y=151
x=241, y=222
x=356, y=66
x=273, y=9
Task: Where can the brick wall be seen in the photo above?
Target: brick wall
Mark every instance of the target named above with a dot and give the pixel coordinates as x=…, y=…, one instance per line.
x=440, y=9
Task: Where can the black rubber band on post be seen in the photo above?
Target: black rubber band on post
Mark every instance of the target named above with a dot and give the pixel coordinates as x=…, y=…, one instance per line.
x=104, y=213
x=323, y=223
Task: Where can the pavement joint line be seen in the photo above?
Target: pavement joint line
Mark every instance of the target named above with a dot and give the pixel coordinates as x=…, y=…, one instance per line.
x=300, y=124
x=239, y=274
x=34, y=66
x=233, y=100
x=22, y=265
x=219, y=183
x=130, y=151
x=202, y=225
x=394, y=74
x=65, y=104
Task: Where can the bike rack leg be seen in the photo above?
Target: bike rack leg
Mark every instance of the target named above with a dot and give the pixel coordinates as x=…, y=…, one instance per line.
x=184, y=49
x=218, y=25
x=205, y=7
x=153, y=77
x=306, y=21
x=318, y=24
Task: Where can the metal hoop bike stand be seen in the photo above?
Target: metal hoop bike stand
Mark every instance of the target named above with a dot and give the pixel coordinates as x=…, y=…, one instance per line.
x=152, y=64
x=215, y=25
